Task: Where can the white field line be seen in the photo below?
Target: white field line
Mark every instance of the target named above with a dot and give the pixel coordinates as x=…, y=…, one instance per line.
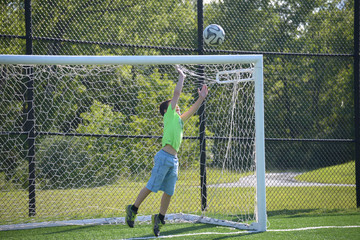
x=189, y=235
x=243, y=232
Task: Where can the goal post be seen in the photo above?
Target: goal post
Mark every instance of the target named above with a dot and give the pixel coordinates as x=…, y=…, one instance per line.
x=96, y=130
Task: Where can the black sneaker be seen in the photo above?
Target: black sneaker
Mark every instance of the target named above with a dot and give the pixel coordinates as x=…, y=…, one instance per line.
x=130, y=216
x=157, y=224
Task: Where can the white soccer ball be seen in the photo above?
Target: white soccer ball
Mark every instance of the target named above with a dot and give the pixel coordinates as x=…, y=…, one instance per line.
x=214, y=35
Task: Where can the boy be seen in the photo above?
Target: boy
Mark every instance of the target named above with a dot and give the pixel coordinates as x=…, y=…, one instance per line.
x=165, y=170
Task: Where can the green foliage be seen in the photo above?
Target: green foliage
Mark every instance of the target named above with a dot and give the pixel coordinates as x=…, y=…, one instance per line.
x=64, y=164
x=107, y=22
x=93, y=160
x=12, y=23
x=305, y=97
x=310, y=97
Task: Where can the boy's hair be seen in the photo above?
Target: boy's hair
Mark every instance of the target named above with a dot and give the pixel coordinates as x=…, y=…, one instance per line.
x=164, y=106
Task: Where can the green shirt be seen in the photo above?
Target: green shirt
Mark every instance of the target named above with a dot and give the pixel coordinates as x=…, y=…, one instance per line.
x=173, y=128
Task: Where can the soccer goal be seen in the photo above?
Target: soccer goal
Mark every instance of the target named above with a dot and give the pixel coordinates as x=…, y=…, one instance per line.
x=79, y=133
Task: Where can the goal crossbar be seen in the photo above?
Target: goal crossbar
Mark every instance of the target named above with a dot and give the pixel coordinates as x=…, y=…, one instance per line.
x=131, y=60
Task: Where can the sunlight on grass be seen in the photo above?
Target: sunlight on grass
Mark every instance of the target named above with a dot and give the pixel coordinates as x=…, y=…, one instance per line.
x=338, y=174
x=110, y=201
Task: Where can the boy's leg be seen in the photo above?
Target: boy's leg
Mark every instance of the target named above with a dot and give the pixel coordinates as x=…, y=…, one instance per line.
x=158, y=219
x=165, y=202
x=168, y=187
x=131, y=210
x=141, y=197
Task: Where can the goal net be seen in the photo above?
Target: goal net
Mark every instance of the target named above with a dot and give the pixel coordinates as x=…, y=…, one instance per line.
x=78, y=135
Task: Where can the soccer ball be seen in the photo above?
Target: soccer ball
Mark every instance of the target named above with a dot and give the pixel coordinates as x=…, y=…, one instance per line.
x=214, y=35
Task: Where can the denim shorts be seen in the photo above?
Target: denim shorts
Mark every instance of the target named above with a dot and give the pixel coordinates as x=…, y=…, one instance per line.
x=164, y=173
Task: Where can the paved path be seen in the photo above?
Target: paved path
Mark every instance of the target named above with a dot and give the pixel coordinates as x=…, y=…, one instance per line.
x=286, y=179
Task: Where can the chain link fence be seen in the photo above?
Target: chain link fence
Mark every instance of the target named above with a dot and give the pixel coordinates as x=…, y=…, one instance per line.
x=308, y=50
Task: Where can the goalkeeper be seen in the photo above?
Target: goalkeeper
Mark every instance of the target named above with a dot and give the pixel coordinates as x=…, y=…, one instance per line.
x=165, y=171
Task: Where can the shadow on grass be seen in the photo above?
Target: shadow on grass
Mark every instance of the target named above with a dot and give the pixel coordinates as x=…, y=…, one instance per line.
x=236, y=235
x=193, y=227
x=198, y=228
x=71, y=229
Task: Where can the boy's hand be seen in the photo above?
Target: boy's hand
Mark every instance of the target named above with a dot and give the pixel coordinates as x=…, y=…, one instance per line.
x=203, y=92
x=182, y=75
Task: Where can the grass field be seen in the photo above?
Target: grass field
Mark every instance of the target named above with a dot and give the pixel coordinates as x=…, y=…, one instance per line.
x=300, y=204
x=339, y=174
x=300, y=224
x=72, y=203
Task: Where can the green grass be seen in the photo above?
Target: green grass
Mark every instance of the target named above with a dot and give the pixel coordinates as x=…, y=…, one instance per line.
x=82, y=203
x=338, y=174
x=277, y=220
x=67, y=204
x=91, y=203
x=295, y=198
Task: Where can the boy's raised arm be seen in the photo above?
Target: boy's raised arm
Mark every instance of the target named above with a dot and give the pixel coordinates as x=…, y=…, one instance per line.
x=202, y=95
x=178, y=88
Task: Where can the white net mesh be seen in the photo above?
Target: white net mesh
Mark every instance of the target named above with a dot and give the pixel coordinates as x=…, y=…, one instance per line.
x=230, y=126
x=97, y=129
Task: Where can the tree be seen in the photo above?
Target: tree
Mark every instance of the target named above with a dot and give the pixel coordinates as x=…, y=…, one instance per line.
x=307, y=88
